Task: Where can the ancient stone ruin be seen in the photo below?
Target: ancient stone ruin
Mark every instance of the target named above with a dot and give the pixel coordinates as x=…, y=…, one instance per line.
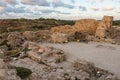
x=44, y=54
x=105, y=29
x=87, y=30
x=86, y=26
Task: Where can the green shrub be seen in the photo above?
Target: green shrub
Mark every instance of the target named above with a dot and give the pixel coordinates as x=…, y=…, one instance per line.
x=4, y=43
x=26, y=50
x=13, y=53
x=23, y=72
x=60, y=53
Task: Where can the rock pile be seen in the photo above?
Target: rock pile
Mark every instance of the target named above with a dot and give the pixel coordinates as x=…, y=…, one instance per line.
x=15, y=40
x=59, y=38
x=30, y=36
x=41, y=35
x=46, y=55
x=95, y=72
x=79, y=70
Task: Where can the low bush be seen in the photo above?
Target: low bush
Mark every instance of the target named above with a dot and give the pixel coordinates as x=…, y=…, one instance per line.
x=23, y=72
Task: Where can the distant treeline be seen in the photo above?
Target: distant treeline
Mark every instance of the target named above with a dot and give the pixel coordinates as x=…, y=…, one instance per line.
x=116, y=22
x=11, y=25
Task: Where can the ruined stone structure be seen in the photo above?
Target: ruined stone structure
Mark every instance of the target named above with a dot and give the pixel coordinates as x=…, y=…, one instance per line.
x=85, y=29
x=86, y=26
x=45, y=55
x=59, y=38
x=105, y=29
x=62, y=29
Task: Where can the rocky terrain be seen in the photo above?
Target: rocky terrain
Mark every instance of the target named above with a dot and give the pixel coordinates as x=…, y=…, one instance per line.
x=23, y=57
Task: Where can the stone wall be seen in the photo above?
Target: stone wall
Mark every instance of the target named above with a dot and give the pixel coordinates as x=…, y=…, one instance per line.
x=105, y=29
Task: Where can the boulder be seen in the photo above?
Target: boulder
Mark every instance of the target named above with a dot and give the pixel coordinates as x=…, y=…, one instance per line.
x=86, y=26
x=59, y=38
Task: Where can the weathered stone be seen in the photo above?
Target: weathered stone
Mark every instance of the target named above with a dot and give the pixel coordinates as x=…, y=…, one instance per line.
x=62, y=29
x=46, y=55
x=15, y=40
x=59, y=38
x=105, y=28
x=43, y=35
x=86, y=26
x=30, y=36
x=2, y=64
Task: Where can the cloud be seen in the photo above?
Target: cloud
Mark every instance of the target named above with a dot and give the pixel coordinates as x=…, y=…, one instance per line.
x=44, y=10
x=96, y=0
x=82, y=8
x=73, y=1
x=35, y=2
x=15, y=10
x=95, y=8
x=1, y=9
x=108, y=8
x=59, y=3
x=11, y=2
x=10, y=9
x=2, y=4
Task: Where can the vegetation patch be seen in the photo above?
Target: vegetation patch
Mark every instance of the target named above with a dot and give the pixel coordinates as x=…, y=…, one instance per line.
x=4, y=43
x=13, y=53
x=23, y=72
x=60, y=53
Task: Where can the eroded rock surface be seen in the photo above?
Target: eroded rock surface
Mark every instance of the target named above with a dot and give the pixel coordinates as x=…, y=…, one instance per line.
x=44, y=54
x=86, y=26
x=79, y=70
x=105, y=28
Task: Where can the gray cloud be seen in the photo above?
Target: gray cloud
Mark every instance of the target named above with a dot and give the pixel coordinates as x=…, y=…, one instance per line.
x=95, y=8
x=73, y=1
x=59, y=3
x=47, y=11
x=15, y=10
x=82, y=8
x=35, y=2
x=108, y=8
x=11, y=2
x=2, y=4
x=10, y=9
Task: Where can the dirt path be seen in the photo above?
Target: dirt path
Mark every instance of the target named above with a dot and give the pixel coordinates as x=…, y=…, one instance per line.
x=106, y=56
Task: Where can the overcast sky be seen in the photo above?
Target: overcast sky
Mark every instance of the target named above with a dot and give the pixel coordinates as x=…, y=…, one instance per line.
x=59, y=9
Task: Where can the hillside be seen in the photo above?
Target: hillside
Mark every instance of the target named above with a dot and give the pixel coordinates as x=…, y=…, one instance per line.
x=11, y=25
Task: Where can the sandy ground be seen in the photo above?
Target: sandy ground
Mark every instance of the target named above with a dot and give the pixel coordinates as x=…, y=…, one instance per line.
x=103, y=55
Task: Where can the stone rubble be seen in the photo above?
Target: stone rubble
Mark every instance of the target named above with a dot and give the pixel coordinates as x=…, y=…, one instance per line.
x=45, y=55
x=79, y=70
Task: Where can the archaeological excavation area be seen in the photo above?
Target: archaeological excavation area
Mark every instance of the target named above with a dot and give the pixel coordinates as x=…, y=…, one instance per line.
x=87, y=50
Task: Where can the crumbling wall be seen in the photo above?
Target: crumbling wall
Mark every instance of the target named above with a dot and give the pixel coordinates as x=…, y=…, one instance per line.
x=62, y=29
x=105, y=29
x=86, y=26
x=59, y=38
